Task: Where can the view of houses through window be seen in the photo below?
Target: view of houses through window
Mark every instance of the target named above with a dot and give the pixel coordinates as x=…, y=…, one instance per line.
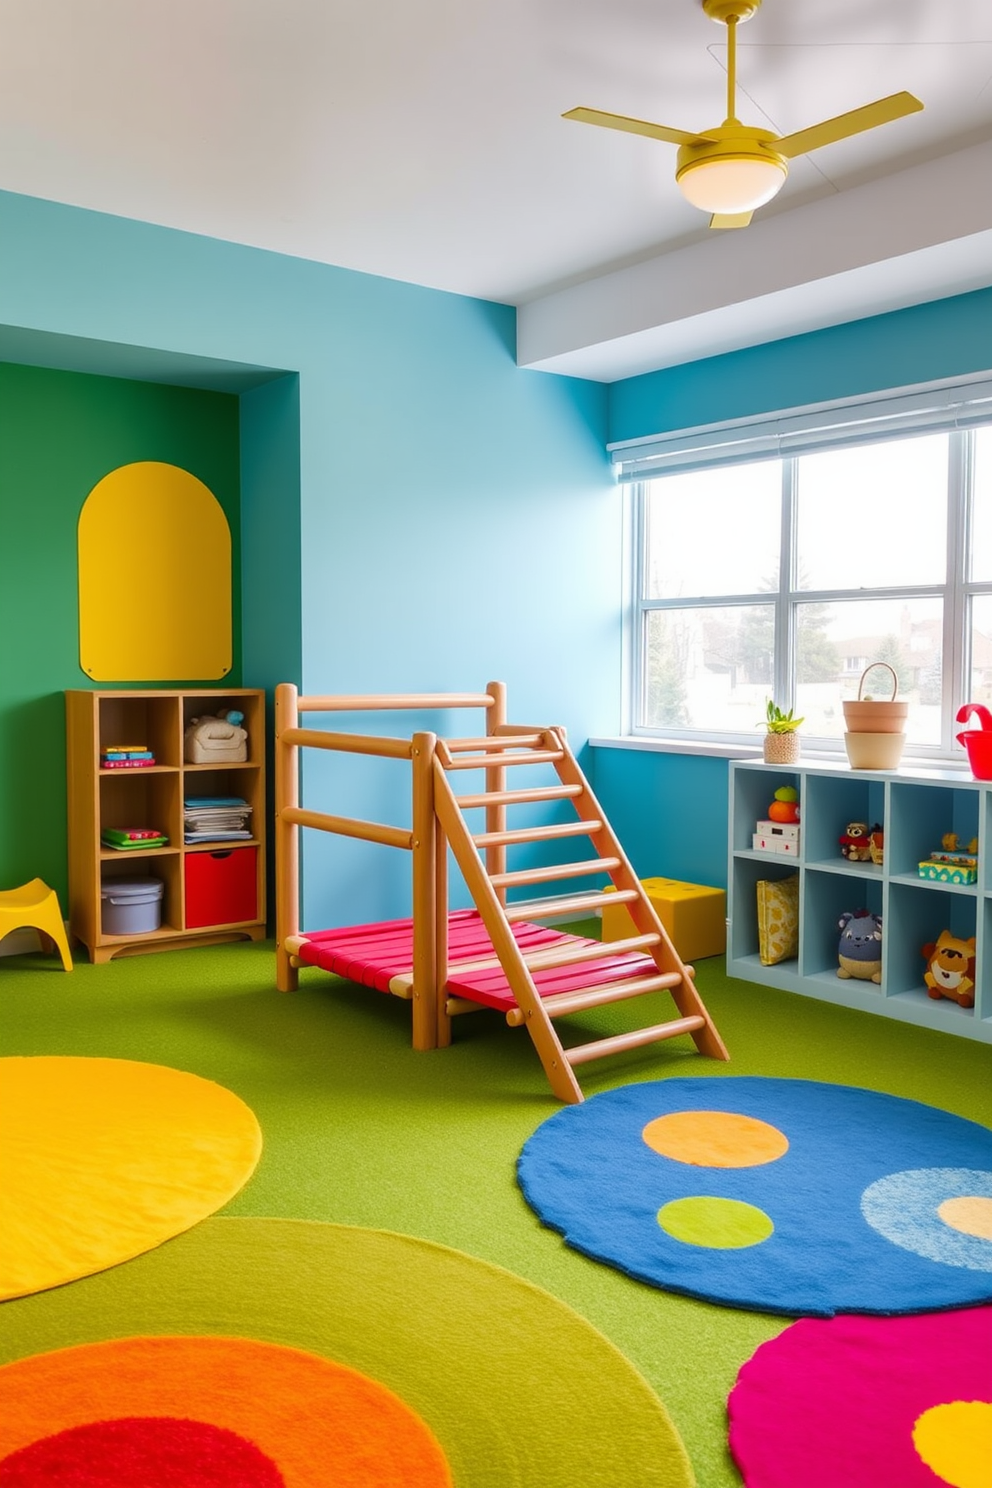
x=786, y=578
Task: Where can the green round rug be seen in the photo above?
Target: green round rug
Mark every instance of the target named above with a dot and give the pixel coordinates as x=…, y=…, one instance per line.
x=520, y=1391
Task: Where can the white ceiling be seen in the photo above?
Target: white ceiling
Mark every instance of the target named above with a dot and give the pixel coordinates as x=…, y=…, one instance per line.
x=422, y=140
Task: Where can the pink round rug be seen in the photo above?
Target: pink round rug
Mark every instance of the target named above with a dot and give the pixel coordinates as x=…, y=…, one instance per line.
x=868, y=1402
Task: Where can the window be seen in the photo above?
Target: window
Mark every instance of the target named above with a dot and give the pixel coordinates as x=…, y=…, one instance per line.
x=778, y=560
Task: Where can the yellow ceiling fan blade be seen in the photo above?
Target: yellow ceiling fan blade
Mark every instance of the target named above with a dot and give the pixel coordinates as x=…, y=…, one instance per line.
x=883, y=111
x=731, y=219
x=633, y=126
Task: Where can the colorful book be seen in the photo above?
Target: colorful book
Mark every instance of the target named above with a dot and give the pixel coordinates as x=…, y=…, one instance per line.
x=142, y=845
x=133, y=836
x=195, y=802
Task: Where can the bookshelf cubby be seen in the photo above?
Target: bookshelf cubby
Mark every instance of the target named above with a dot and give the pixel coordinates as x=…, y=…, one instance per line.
x=915, y=808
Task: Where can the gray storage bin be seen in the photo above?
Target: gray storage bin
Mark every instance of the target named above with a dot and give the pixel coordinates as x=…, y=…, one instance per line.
x=131, y=906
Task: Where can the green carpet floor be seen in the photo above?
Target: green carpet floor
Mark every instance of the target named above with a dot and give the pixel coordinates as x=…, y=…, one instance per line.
x=360, y=1130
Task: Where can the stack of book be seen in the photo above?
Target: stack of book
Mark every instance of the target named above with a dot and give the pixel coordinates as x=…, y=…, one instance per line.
x=125, y=839
x=216, y=818
x=126, y=757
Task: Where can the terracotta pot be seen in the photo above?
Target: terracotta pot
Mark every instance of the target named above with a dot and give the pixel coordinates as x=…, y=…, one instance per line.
x=877, y=751
x=876, y=716
x=781, y=749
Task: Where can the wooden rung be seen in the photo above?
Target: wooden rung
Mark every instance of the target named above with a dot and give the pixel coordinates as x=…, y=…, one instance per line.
x=385, y=702
x=560, y=870
x=537, y=834
x=543, y=909
x=455, y=1005
x=534, y=757
x=616, y=1045
x=388, y=748
x=570, y=955
x=346, y=826
x=491, y=742
x=561, y=1003
x=518, y=797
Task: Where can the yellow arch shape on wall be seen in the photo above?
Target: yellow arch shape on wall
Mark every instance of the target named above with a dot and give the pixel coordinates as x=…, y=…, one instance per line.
x=154, y=578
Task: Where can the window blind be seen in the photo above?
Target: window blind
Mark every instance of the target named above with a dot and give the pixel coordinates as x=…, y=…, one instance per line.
x=957, y=405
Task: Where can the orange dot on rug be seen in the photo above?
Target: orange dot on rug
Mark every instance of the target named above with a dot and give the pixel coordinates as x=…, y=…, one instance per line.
x=317, y=1421
x=102, y=1159
x=955, y=1441
x=715, y=1139
x=971, y=1215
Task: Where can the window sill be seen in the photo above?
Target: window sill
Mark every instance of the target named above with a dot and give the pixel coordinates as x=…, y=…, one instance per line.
x=709, y=748
x=680, y=746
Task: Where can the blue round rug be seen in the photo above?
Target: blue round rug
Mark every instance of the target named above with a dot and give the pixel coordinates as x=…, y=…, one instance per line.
x=786, y=1196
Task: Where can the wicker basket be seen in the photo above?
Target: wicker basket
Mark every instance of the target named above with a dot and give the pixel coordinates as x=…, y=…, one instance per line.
x=781, y=749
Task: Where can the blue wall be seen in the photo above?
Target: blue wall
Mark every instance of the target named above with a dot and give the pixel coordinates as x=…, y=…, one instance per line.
x=442, y=518
x=671, y=810
x=944, y=338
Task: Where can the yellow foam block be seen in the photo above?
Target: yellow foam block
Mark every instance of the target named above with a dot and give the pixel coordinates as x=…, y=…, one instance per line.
x=694, y=916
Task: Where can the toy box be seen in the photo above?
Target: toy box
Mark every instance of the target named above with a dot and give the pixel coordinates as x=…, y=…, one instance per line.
x=132, y=906
x=777, y=837
x=939, y=870
x=694, y=915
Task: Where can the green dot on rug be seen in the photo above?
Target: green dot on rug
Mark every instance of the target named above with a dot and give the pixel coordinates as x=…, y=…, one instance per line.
x=719, y=1224
x=520, y=1391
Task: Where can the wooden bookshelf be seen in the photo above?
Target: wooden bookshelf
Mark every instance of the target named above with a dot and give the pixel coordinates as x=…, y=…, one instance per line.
x=153, y=797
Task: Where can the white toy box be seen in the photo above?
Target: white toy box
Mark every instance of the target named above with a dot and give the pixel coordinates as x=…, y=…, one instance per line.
x=777, y=837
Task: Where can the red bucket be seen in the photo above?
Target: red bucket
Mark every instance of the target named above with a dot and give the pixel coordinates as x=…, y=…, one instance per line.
x=978, y=743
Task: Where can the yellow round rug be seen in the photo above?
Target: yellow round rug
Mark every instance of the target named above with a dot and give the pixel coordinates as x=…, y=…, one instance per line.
x=102, y=1159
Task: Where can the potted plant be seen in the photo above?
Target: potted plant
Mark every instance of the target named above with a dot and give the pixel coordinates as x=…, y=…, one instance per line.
x=781, y=745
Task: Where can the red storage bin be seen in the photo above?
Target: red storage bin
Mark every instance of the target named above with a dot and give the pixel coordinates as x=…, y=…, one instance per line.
x=221, y=887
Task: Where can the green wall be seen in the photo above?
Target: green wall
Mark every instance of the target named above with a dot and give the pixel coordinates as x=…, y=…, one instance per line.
x=60, y=433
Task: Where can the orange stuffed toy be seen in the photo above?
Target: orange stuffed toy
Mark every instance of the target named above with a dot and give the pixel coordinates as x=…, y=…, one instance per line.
x=951, y=969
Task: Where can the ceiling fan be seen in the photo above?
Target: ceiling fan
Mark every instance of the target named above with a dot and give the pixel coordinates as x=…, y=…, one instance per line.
x=734, y=168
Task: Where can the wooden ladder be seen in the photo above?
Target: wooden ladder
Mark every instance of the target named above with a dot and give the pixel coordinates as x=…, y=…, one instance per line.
x=481, y=856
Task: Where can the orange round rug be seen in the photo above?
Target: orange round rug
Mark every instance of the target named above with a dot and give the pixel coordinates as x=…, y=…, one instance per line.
x=102, y=1159
x=214, y=1412
x=519, y=1390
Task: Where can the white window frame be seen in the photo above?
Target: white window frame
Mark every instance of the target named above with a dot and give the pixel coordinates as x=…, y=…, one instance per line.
x=953, y=407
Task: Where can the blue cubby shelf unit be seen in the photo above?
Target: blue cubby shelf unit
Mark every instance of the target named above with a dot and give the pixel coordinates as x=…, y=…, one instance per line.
x=916, y=809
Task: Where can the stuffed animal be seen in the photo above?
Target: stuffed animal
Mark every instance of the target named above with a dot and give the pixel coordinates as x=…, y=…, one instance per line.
x=951, y=969
x=876, y=844
x=860, y=948
x=855, y=842
x=950, y=842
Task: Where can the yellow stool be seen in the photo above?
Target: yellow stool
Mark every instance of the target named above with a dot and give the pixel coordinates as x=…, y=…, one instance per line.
x=35, y=906
x=694, y=916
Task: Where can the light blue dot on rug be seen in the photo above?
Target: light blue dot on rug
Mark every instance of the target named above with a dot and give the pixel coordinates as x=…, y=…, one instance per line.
x=903, y=1207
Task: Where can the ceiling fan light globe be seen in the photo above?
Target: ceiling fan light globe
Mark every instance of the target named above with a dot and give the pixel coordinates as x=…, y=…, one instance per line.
x=731, y=184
